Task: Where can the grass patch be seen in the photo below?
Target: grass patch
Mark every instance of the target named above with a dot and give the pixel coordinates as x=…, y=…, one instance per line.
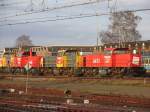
x=121, y=87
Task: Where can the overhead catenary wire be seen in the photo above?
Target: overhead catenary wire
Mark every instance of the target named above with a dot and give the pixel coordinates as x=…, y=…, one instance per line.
x=57, y=19
x=138, y=10
x=10, y=4
x=52, y=9
x=40, y=18
x=71, y=17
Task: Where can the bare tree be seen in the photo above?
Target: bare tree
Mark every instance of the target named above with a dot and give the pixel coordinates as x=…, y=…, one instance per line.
x=23, y=41
x=122, y=29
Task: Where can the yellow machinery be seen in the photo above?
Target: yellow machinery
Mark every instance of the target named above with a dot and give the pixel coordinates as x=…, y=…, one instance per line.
x=68, y=58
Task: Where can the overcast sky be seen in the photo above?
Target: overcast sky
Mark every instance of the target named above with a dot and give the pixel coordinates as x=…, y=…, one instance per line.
x=81, y=31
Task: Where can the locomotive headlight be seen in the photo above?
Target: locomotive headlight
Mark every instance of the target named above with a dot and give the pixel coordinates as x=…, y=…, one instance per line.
x=81, y=53
x=134, y=51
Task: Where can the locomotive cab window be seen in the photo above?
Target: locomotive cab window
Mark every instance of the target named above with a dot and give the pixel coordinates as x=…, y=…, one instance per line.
x=144, y=53
x=28, y=54
x=107, y=52
x=61, y=53
x=121, y=51
x=71, y=52
x=33, y=53
x=25, y=54
x=146, y=61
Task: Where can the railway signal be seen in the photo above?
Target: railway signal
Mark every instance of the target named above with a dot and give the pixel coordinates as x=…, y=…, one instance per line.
x=28, y=66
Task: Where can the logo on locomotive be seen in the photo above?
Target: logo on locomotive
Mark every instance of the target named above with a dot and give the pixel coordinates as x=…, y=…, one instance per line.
x=136, y=60
x=107, y=59
x=97, y=60
x=19, y=61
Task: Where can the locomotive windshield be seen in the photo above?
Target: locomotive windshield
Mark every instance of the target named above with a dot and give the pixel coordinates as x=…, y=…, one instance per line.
x=26, y=54
x=146, y=53
x=107, y=52
x=61, y=52
x=122, y=51
x=110, y=51
x=70, y=53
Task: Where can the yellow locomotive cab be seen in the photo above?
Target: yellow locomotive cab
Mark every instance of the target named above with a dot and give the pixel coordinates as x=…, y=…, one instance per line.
x=68, y=58
x=4, y=61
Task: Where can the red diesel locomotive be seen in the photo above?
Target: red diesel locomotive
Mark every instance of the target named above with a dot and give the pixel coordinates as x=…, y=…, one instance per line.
x=26, y=60
x=72, y=62
x=114, y=61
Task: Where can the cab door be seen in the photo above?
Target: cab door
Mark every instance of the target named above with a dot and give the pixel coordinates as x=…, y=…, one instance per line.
x=108, y=57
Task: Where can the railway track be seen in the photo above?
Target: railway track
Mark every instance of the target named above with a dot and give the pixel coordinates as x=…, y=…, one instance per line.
x=66, y=77
x=11, y=104
x=56, y=102
x=116, y=100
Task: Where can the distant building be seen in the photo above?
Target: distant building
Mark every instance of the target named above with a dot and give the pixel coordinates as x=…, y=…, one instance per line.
x=143, y=45
x=10, y=51
x=55, y=49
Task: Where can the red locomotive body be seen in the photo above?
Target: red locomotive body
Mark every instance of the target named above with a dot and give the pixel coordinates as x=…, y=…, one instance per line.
x=126, y=60
x=118, y=57
x=114, y=60
x=95, y=60
x=123, y=57
x=30, y=58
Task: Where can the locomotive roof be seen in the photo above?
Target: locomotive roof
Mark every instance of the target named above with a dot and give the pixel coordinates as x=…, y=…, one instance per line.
x=72, y=50
x=121, y=49
x=116, y=49
x=68, y=50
